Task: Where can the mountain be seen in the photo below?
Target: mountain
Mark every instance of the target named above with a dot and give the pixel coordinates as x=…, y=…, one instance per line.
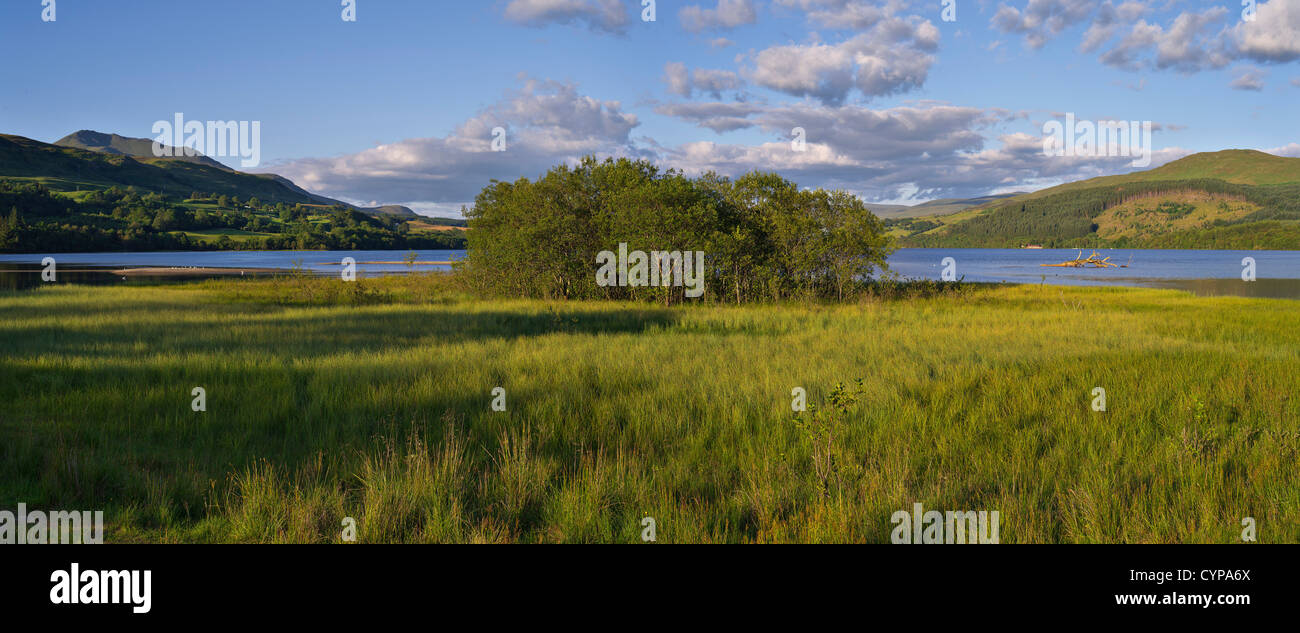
x=64, y=168
x=1240, y=199
x=934, y=207
x=396, y=210
x=87, y=160
x=60, y=198
x=137, y=148
x=886, y=210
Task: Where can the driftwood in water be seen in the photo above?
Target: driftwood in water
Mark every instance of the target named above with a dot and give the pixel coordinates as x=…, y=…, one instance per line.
x=1094, y=260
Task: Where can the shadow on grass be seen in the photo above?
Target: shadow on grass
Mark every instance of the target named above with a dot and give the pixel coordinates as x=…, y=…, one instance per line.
x=110, y=432
x=300, y=333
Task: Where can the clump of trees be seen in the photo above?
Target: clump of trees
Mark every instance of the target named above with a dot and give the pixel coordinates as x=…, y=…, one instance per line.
x=763, y=237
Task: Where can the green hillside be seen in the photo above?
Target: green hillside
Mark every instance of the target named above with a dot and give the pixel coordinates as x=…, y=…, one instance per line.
x=72, y=169
x=137, y=148
x=934, y=207
x=88, y=160
x=1240, y=199
x=58, y=198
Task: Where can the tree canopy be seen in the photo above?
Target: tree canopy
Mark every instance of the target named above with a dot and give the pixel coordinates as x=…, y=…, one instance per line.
x=762, y=236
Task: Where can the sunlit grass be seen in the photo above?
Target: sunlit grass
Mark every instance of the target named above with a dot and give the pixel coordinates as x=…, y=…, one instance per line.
x=380, y=410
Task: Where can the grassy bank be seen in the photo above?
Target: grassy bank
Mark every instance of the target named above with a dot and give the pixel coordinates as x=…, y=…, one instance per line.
x=379, y=409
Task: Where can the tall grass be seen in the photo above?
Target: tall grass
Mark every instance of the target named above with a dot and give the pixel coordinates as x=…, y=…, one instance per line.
x=379, y=410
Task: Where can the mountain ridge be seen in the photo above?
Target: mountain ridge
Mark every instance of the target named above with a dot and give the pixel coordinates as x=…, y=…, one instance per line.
x=91, y=159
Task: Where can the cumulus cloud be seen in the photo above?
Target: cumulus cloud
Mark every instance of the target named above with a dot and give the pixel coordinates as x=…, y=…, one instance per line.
x=1190, y=44
x=599, y=15
x=719, y=117
x=1041, y=20
x=844, y=14
x=893, y=56
x=1248, y=78
x=1127, y=36
x=1196, y=41
x=1128, y=53
x=914, y=152
x=728, y=14
x=1108, y=21
x=1274, y=35
x=1291, y=150
x=546, y=123
x=918, y=151
x=685, y=83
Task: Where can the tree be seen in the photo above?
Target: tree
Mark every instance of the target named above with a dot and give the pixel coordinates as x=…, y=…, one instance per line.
x=9, y=229
x=762, y=236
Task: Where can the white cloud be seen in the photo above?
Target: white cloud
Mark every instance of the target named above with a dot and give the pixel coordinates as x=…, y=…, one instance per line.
x=728, y=14
x=1190, y=44
x=1248, y=78
x=1274, y=35
x=719, y=117
x=894, y=56
x=1041, y=19
x=844, y=14
x=1108, y=22
x=1291, y=150
x=600, y=15
x=924, y=150
x=1187, y=45
x=547, y=123
x=916, y=152
x=685, y=83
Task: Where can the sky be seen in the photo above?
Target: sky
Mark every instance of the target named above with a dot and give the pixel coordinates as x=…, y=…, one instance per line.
x=898, y=102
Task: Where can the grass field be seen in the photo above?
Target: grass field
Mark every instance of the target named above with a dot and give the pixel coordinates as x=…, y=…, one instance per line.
x=379, y=409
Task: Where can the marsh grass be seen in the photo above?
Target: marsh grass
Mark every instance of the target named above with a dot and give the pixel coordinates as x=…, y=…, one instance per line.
x=321, y=407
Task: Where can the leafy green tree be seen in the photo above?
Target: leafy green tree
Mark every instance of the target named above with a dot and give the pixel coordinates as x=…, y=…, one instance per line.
x=763, y=237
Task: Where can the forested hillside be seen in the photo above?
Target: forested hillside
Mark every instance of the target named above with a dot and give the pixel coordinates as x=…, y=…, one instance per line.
x=1254, y=204
x=35, y=219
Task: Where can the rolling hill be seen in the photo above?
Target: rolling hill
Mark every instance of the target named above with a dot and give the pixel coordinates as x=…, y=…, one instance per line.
x=1240, y=199
x=70, y=168
x=88, y=160
x=934, y=207
x=138, y=148
x=94, y=192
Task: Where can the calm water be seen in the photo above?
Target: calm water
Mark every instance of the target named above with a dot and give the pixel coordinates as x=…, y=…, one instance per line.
x=1203, y=272
x=23, y=271
x=1023, y=266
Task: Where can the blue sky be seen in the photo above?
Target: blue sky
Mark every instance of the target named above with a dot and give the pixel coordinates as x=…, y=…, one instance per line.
x=897, y=104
